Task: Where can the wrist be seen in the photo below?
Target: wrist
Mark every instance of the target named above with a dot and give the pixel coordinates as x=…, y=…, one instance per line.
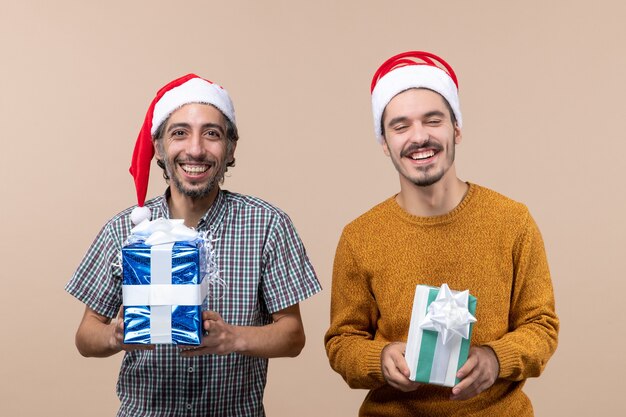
x=239, y=344
x=114, y=344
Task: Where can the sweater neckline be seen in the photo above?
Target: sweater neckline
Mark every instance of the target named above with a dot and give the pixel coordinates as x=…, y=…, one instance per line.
x=432, y=220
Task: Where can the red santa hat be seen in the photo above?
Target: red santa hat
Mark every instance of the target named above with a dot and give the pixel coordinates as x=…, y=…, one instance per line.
x=413, y=69
x=181, y=91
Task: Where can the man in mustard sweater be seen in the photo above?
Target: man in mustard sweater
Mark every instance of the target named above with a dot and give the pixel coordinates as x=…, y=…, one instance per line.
x=437, y=229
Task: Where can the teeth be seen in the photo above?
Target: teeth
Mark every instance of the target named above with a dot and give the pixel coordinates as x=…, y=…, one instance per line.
x=194, y=169
x=422, y=155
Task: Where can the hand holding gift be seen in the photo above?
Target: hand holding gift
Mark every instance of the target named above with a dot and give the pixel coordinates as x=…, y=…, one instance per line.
x=479, y=373
x=117, y=338
x=395, y=369
x=220, y=338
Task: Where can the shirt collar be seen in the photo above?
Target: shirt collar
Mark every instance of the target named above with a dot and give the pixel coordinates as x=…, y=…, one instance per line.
x=210, y=220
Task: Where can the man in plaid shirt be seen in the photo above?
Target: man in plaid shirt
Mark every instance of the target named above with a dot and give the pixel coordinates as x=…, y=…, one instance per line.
x=190, y=126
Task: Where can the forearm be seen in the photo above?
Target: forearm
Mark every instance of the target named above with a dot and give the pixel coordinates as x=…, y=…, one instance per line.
x=356, y=358
x=94, y=337
x=524, y=352
x=282, y=338
x=352, y=349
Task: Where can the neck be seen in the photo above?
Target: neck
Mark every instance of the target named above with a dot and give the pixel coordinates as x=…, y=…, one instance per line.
x=189, y=209
x=433, y=200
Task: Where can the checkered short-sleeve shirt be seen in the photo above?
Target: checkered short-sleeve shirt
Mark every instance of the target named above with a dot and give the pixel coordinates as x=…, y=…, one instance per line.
x=265, y=267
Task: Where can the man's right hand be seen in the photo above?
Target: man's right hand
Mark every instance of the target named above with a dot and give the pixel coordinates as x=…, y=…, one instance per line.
x=99, y=336
x=395, y=369
x=117, y=339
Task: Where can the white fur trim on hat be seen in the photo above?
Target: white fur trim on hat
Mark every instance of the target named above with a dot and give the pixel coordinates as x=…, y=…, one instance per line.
x=196, y=90
x=413, y=76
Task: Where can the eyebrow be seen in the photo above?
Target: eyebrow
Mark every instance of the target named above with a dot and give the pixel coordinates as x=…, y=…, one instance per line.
x=187, y=125
x=397, y=120
x=434, y=113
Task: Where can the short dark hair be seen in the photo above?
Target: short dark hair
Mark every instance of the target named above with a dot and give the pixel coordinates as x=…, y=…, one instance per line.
x=232, y=136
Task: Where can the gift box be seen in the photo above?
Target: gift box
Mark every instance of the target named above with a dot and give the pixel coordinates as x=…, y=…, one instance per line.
x=163, y=289
x=439, y=334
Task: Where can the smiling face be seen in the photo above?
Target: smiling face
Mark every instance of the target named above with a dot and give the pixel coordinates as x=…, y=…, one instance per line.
x=420, y=137
x=194, y=149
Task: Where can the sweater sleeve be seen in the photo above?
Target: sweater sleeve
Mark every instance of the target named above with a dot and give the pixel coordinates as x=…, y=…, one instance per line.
x=524, y=351
x=350, y=345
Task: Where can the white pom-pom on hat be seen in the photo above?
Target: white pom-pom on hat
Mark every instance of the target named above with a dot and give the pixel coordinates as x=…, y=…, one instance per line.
x=139, y=214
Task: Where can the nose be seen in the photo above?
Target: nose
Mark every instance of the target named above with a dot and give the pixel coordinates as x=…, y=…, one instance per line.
x=195, y=148
x=420, y=134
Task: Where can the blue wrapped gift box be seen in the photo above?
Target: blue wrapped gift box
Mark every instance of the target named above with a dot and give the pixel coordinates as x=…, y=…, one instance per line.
x=163, y=289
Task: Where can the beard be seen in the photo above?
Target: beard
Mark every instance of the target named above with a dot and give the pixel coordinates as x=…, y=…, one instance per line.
x=425, y=177
x=201, y=190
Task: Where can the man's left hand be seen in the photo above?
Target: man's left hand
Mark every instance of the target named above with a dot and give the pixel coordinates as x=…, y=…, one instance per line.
x=479, y=373
x=220, y=338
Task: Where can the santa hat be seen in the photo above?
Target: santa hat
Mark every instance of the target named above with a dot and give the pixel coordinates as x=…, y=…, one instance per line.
x=413, y=69
x=181, y=91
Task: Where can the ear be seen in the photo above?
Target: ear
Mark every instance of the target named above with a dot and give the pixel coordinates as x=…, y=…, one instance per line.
x=385, y=147
x=156, y=149
x=458, y=136
x=231, y=157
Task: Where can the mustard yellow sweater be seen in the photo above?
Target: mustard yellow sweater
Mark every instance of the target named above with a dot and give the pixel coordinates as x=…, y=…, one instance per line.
x=488, y=244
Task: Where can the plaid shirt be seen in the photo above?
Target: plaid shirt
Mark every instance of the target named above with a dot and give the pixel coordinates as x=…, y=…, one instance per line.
x=266, y=269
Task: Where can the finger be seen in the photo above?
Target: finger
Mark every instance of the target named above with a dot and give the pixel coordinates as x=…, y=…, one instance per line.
x=465, y=384
x=119, y=325
x=401, y=366
x=188, y=348
x=212, y=328
x=398, y=379
x=468, y=367
x=211, y=315
x=404, y=384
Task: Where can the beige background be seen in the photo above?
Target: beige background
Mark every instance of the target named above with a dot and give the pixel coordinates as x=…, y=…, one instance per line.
x=542, y=91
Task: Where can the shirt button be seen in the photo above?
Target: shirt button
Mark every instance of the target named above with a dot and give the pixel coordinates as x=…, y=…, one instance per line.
x=188, y=406
x=190, y=369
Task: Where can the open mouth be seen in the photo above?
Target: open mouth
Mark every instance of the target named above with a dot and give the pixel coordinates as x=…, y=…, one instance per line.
x=195, y=169
x=422, y=155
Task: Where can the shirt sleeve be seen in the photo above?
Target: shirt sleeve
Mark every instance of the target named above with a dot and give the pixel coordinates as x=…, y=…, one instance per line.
x=524, y=351
x=288, y=276
x=97, y=281
x=350, y=341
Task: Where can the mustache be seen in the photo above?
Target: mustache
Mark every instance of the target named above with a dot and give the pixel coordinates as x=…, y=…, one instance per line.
x=414, y=147
x=188, y=160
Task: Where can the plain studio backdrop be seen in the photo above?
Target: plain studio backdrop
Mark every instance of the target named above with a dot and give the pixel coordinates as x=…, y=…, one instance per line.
x=542, y=95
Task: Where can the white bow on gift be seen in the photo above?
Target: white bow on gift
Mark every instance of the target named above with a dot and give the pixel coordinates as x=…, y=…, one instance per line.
x=161, y=230
x=449, y=315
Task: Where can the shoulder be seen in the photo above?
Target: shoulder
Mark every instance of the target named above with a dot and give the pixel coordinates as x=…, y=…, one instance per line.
x=502, y=212
x=247, y=205
x=493, y=200
x=375, y=218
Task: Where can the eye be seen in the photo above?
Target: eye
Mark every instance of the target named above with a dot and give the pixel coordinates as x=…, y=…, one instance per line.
x=213, y=133
x=178, y=133
x=399, y=128
x=433, y=122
